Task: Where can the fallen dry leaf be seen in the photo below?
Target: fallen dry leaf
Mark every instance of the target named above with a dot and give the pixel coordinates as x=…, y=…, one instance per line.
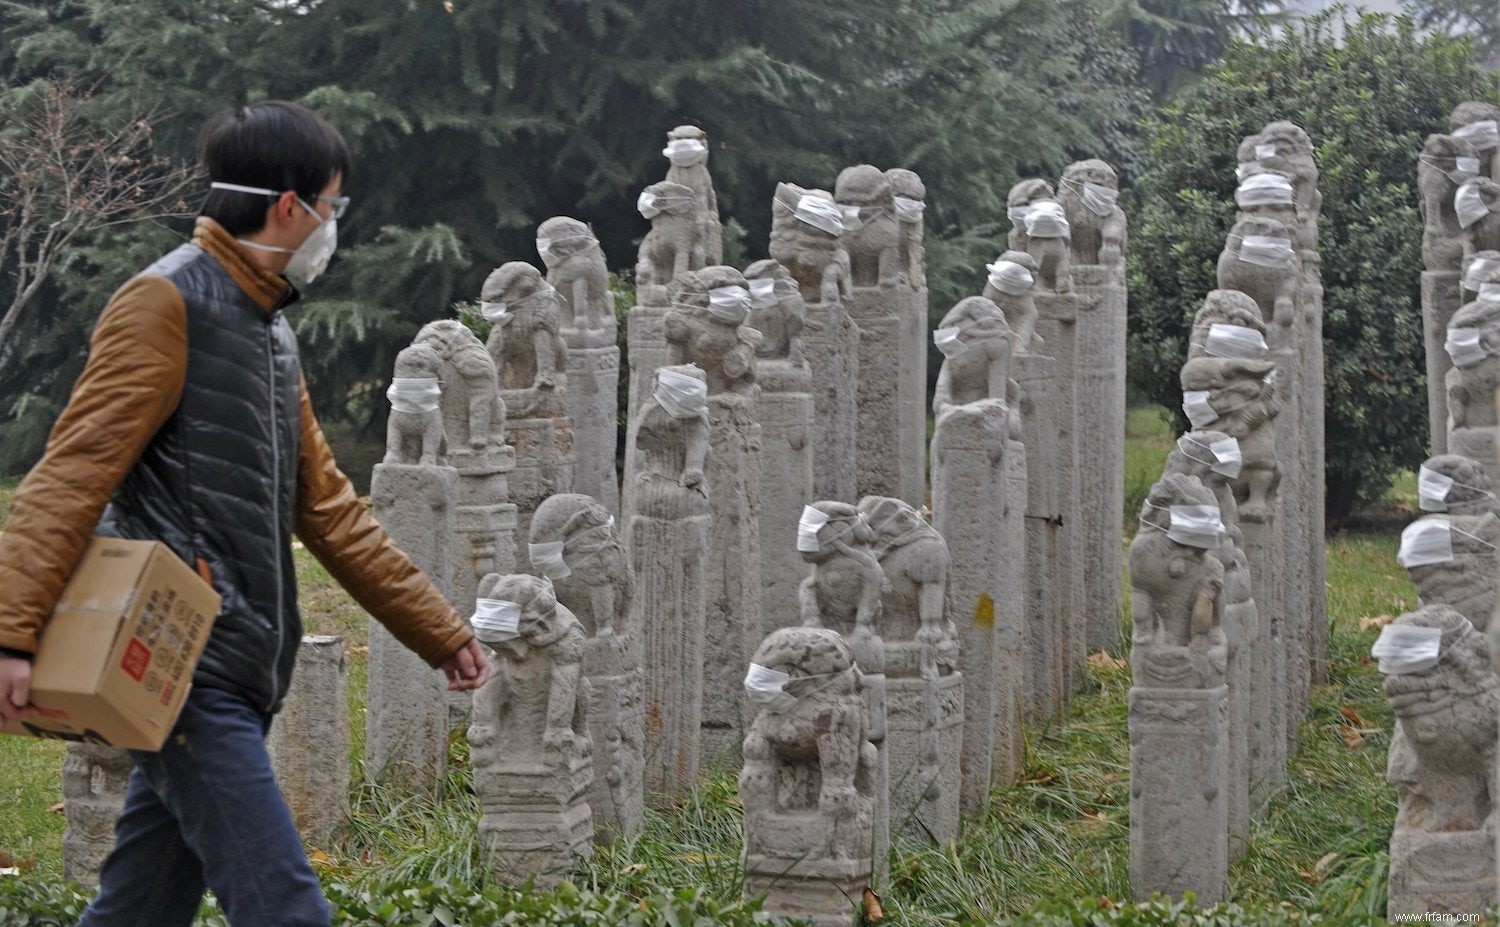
x=5, y=861
x=874, y=913
x=633, y=868
x=1352, y=716
x=362, y=651
x=1325, y=862
x=1100, y=660
x=1371, y=622
x=1097, y=819
x=57, y=808
x=319, y=859
x=1043, y=779
x=1353, y=739
x=1105, y=904
x=1309, y=877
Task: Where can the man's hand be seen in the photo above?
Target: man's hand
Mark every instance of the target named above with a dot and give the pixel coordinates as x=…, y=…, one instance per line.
x=467, y=669
x=15, y=687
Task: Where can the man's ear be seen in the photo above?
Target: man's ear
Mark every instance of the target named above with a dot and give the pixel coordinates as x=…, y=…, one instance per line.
x=284, y=210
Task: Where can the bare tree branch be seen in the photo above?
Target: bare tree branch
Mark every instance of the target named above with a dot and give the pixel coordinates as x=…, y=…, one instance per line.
x=64, y=173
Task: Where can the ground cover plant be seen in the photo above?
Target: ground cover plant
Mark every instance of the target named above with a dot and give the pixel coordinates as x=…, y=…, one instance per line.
x=1052, y=849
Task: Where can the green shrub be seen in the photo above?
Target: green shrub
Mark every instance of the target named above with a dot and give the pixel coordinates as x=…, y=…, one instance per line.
x=1368, y=98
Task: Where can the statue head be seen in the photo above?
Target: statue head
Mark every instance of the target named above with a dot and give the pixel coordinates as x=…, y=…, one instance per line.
x=512, y=283
x=1093, y=171
x=574, y=536
x=667, y=198
x=979, y=322
x=1226, y=307
x=1473, y=120
x=687, y=146
x=862, y=185
x=1029, y=191
x=826, y=529
x=560, y=237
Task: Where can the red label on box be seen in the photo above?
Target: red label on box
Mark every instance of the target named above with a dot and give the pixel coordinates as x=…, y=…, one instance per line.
x=137, y=658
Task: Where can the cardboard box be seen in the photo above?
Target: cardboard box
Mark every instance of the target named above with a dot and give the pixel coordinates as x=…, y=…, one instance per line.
x=116, y=659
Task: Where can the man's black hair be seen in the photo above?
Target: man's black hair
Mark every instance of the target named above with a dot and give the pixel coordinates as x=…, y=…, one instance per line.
x=276, y=145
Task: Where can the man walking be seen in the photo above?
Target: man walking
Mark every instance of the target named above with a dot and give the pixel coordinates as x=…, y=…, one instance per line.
x=191, y=425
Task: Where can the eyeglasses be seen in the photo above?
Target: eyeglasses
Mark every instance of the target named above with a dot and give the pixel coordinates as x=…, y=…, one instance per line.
x=340, y=204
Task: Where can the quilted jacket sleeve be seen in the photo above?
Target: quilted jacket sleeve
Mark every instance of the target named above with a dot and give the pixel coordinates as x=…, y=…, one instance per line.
x=130, y=386
x=361, y=556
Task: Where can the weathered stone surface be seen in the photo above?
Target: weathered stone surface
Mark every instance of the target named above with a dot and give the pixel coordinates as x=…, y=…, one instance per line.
x=1467, y=576
x=1241, y=403
x=474, y=429
x=414, y=429
x=687, y=150
x=93, y=789
x=924, y=701
x=808, y=785
x=1039, y=227
x=788, y=430
x=406, y=718
x=1179, y=712
x=890, y=308
x=529, y=740
x=1474, y=121
x=1010, y=608
x=667, y=535
x=1474, y=340
x=577, y=271
x=968, y=492
x=1442, y=763
x=574, y=543
x=1046, y=605
x=842, y=593
x=309, y=741
x=531, y=363
x=1212, y=458
x=706, y=326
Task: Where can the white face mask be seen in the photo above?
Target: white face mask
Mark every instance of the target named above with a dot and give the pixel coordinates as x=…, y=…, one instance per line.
x=1244, y=169
x=851, y=218
x=1017, y=215
x=310, y=258
x=543, y=246
x=685, y=152
x=548, y=557
x=680, y=395
x=1483, y=135
x=1097, y=198
x=1469, y=205
x=908, y=209
x=1467, y=167
x=821, y=214
x=730, y=303
x=1264, y=190
x=1432, y=489
x=808, y=526
x=1266, y=251
x=766, y=687
x=648, y=204
x=1227, y=457
x=1010, y=278
x=1489, y=292
x=1237, y=341
x=496, y=312
x=1199, y=412
x=1263, y=152
x=1196, y=526
x=1478, y=272
x=948, y=342
x=1464, y=347
x=1425, y=542
x=763, y=292
x=1047, y=220
x=1402, y=649
x=414, y=394
x=496, y=620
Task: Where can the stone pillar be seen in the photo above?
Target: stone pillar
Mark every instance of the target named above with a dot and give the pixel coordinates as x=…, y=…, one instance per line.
x=668, y=540
x=830, y=343
x=309, y=741
x=968, y=493
x=574, y=543
x=1442, y=763
x=924, y=690
x=889, y=305
x=807, y=782
x=1230, y=392
x=406, y=715
x=1472, y=419
x=647, y=349
x=93, y=788
x=1057, y=322
x=1046, y=685
x=530, y=738
x=788, y=432
x=577, y=271
x=1179, y=709
x=1440, y=299
x=843, y=594
x=1010, y=611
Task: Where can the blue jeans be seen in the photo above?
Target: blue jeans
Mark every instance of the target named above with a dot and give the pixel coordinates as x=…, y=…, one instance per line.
x=205, y=812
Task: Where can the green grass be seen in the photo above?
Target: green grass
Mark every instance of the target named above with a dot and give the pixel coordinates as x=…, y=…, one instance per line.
x=1062, y=832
